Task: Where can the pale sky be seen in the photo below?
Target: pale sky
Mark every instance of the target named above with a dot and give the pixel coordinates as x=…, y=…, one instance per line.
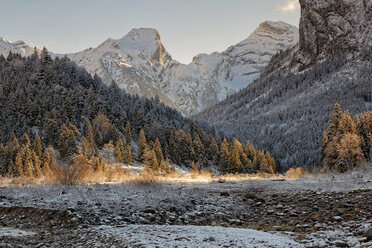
x=186, y=27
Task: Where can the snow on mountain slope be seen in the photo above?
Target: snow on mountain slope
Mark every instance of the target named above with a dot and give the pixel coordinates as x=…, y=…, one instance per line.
x=210, y=78
x=19, y=47
x=139, y=63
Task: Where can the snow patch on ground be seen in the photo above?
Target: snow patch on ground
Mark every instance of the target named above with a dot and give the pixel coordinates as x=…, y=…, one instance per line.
x=12, y=232
x=195, y=236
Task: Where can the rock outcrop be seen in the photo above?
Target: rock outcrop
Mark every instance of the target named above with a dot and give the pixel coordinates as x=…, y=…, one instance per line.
x=330, y=27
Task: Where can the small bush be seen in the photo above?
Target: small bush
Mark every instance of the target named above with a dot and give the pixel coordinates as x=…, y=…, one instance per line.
x=78, y=172
x=296, y=173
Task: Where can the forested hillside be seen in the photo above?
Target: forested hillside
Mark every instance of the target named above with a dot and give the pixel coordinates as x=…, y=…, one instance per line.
x=287, y=109
x=55, y=105
x=287, y=112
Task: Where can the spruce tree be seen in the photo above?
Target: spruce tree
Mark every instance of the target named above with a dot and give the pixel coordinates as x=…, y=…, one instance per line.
x=88, y=132
x=167, y=166
x=128, y=133
x=142, y=146
x=128, y=154
x=224, y=156
x=25, y=141
x=365, y=133
x=154, y=165
x=349, y=153
x=28, y=165
x=121, y=145
x=117, y=153
x=270, y=163
x=36, y=146
x=36, y=164
x=46, y=164
x=198, y=149
x=18, y=165
x=158, y=150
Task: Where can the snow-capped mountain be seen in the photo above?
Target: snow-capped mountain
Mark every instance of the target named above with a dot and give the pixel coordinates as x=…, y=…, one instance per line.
x=140, y=64
x=19, y=47
x=212, y=77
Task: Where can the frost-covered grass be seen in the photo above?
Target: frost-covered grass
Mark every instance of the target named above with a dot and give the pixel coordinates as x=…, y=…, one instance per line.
x=195, y=236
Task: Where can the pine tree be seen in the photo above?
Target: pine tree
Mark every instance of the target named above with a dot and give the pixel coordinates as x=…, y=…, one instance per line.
x=262, y=163
x=172, y=147
x=128, y=133
x=335, y=121
x=189, y=154
x=349, y=153
x=89, y=136
x=121, y=145
x=234, y=159
x=158, y=151
x=67, y=143
x=55, y=170
x=342, y=147
x=90, y=105
x=28, y=165
x=167, y=166
x=18, y=165
x=154, y=165
x=25, y=141
x=328, y=147
x=36, y=146
x=213, y=151
x=199, y=149
x=128, y=155
x=365, y=133
x=142, y=146
x=224, y=156
x=270, y=163
x=11, y=170
x=46, y=164
x=117, y=153
x=36, y=164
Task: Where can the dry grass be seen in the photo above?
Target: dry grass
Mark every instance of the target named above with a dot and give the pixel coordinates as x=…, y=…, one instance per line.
x=81, y=171
x=298, y=172
x=242, y=177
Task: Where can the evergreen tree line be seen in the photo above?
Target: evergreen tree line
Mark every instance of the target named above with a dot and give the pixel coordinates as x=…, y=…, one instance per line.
x=25, y=159
x=65, y=108
x=347, y=142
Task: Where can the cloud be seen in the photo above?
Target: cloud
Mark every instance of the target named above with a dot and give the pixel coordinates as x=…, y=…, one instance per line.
x=290, y=6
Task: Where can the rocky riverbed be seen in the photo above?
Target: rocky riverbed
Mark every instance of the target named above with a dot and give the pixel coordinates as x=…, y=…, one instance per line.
x=305, y=212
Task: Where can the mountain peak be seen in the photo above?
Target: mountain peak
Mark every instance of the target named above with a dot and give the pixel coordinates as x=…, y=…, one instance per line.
x=2, y=39
x=145, y=41
x=275, y=32
x=278, y=28
x=141, y=36
x=143, y=33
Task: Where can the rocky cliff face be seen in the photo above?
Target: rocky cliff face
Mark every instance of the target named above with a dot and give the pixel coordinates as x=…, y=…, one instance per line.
x=329, y=27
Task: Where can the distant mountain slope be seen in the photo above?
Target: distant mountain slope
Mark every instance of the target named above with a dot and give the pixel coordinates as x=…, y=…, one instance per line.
x=288, y=108
x=19, y=47
x=140, y=64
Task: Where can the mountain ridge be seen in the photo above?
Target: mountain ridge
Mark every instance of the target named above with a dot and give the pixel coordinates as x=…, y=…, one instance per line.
x=139, y=63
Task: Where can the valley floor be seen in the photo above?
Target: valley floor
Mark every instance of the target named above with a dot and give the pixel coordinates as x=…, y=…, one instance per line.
x=321, y=211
